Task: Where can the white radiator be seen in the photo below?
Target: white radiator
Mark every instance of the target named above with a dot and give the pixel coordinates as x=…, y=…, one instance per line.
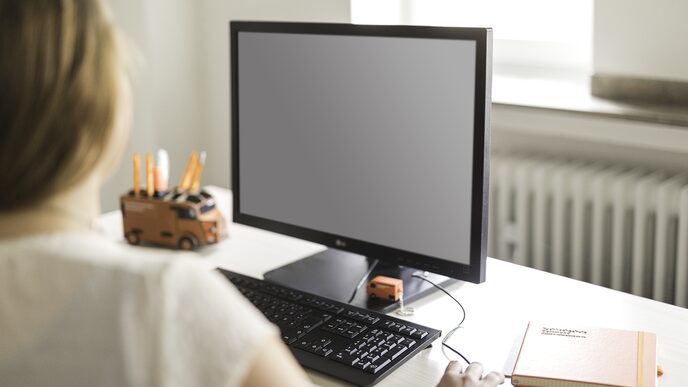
x=623, y=228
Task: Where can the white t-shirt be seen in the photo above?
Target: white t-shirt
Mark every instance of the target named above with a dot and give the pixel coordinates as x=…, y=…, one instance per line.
x=79, y=310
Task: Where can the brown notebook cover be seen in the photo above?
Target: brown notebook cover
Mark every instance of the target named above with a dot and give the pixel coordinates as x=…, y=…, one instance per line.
x=556, y=355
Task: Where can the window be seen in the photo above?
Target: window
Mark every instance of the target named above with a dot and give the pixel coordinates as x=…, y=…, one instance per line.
x=527, y=33
x=207, y=207
x=186, y=213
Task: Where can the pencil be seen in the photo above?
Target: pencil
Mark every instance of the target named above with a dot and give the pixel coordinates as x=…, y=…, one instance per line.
x=150, y=187
x=185, y=182
x=198, y=171
x=137, y=172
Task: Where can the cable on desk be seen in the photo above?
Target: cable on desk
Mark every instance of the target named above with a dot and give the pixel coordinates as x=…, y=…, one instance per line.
x=451, y=332
x=456, y=352
x=363, y=279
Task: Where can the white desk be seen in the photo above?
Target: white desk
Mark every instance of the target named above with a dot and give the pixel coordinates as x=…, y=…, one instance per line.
x=497, y=310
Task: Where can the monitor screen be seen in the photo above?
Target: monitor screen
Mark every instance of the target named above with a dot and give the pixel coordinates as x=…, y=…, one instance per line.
x=367, y=138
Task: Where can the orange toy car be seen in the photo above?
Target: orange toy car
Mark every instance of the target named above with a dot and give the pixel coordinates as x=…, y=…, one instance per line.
x=167, y=220
x=386, y=288
x=184, y=216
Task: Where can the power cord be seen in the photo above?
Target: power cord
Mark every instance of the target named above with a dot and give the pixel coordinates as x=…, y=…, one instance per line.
x=451, y=332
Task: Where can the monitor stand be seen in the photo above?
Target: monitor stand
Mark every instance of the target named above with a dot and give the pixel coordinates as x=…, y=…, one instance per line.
x=334, y=274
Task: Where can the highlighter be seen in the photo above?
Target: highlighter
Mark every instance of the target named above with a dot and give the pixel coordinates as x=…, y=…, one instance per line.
x=161, y=171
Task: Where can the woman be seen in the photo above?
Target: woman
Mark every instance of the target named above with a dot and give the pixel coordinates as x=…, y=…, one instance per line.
x=75, y=308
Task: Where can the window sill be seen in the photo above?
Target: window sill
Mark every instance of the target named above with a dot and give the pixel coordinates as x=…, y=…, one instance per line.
x=570, y=93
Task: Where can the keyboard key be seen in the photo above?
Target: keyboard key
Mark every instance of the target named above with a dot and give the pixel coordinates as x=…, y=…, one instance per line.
x=395, y=352
x=377, y=365
x=310, y=323
x=361, y=364
x=378, y=351
x=324, y=316
x=342, y=329
x=371, y=357
x=408, y=343
x=289, y=336
x=350, y=314
x=303, y=344
x=350, y=334
x=332, y=324
x=408, y=331
x=397, y=327
x=300, y=332
x=356, y=345
x=387, y=324
x=286, y=319
x=345, y=358
x=323, y=351
x=336, y=309
x=371, y=320
x=324, y=341
x=375, y=332
x=419, y=334
x=361, y=353
x=397, y=339
x=388, y=345
x=294, y=332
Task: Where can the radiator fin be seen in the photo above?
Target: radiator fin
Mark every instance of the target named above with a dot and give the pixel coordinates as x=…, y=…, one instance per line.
x=623, y=228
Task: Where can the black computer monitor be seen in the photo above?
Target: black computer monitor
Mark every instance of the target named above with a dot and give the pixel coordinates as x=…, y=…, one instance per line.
x=371, y=140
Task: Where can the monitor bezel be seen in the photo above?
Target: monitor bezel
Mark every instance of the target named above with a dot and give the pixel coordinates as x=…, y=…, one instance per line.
x=475, y=271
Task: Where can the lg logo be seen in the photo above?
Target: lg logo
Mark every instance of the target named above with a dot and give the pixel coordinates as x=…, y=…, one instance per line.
x=339, y=243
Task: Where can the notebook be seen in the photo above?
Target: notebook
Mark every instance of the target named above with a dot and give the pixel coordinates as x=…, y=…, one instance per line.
x=560, y=355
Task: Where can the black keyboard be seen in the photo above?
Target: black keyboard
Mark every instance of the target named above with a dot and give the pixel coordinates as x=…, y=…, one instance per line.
x=350, y=343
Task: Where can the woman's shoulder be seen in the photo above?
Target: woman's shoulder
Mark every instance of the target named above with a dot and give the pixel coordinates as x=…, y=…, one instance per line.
x=88, y=252
x=182, y=282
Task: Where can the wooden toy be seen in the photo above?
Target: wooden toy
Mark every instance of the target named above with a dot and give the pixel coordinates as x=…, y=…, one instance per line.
x=184, y=219
x=386, y=288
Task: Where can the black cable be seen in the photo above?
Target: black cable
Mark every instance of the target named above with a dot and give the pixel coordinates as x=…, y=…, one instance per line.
x=451, y=332
x=445, y=292
x=363, y=279
x=457, y=352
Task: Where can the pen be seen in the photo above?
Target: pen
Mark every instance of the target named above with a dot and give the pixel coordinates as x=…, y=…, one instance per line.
x=161, y=171
x=188, y=172
x=198, y=171
x=149, y=175
x=137, y=171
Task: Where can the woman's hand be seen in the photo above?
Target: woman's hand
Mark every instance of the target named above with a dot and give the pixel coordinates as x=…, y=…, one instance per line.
x=472, y=377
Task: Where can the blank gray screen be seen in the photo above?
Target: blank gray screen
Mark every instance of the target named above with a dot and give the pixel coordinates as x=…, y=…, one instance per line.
x=363, y=137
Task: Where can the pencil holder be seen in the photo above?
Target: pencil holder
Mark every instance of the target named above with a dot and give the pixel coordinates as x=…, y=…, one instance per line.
x=183, y=217
x=175, y=219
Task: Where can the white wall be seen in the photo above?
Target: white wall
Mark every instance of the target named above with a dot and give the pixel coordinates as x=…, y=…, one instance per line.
x=214, y=43
x=181, y=89
x=167, y=94
x=641, y=38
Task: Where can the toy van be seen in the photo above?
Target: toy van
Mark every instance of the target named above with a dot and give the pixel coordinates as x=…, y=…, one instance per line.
x=386, y=288
x=178, y=220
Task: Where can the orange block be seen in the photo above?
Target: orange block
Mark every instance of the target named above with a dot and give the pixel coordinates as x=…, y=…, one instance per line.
x=387, y=288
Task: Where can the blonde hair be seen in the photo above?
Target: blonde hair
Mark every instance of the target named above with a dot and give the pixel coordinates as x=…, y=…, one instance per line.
x=60, y=69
